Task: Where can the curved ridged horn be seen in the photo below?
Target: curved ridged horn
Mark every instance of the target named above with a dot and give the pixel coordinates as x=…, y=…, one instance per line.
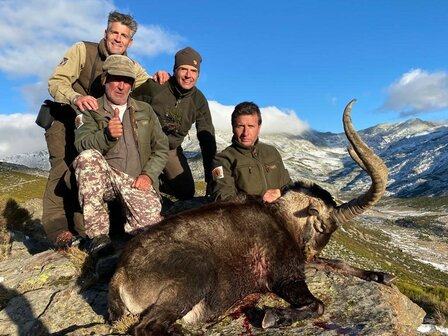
x=366, y=158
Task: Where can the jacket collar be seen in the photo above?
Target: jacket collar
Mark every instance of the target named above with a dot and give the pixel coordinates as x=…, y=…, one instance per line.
x=245, y=149
x=105, y=109
x=177, y=91
x=102, y=50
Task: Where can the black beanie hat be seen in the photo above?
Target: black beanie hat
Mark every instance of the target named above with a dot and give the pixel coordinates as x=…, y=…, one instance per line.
x=187, y=56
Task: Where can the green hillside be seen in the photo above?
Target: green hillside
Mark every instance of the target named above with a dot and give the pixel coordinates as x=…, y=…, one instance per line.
x=19, y=185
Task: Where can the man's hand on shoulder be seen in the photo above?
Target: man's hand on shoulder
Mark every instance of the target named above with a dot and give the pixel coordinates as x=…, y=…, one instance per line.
x=85, y=103
x=161, y=76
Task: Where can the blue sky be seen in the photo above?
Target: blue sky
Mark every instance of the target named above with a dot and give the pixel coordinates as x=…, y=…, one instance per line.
x=300, y=61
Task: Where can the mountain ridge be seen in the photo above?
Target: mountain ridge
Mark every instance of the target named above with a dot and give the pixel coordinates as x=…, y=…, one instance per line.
x=405, y=237
x=414, y=151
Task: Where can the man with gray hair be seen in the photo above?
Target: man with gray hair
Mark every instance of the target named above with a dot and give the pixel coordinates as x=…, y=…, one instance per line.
x=75, y=84
x=122, y=153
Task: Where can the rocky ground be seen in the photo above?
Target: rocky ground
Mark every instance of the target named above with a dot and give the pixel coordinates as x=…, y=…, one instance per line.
x=44, y=292
x=53, y=293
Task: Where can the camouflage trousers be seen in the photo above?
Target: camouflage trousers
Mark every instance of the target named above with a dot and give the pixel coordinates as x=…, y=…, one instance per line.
x=99, y=183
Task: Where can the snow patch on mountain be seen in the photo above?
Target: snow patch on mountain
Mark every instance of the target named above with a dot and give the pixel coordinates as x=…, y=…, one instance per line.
x=415, y=152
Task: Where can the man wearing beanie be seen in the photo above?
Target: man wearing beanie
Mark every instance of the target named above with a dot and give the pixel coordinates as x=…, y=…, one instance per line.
x=122, y=153
x=179, y=104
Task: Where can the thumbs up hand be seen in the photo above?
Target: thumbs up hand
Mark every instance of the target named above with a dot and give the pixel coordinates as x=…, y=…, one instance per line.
x=115, y=127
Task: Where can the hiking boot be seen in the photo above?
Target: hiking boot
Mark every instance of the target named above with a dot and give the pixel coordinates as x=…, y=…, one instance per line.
x=66, y=239
x=63, y=240
x=99, y=246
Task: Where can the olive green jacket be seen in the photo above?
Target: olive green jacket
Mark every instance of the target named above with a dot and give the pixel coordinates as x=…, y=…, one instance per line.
x=177, y=112
x=251, y=170
x=152, y=143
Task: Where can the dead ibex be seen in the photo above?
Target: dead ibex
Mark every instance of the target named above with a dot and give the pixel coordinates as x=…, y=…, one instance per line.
x=199, y=263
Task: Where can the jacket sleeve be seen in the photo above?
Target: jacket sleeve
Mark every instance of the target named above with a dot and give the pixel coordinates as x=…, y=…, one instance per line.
x=285, y=178
x=66, y=73
x=206, y=136
x=141, y=76
x=159, y=150
x=144, y=92
x=91, y=133
x=223, y=183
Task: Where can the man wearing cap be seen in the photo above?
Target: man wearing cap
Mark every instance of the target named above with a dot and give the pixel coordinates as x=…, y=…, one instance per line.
x=75, y=84
x=178, y=105
x=122, y=153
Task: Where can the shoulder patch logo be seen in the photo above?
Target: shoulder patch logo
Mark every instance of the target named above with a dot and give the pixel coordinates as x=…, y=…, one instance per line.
x=218, y=173
x=78, y=121
x=64, y=61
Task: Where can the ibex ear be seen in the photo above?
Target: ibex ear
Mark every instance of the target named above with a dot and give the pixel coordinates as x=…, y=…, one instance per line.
x=314, y=208
x=314, y=222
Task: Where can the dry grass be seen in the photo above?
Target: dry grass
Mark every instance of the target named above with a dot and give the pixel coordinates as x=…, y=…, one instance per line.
x=441, y=318
x=84, y=266
x=5, y=237
x=124, y=324
x=433, y=299
x=31, y=284
x=78, y=258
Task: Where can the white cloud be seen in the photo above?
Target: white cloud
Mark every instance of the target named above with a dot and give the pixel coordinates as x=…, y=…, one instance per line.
x=152, y=40
x=20, y=134
x=36, y=34
x=274, y=119
x=418, y=91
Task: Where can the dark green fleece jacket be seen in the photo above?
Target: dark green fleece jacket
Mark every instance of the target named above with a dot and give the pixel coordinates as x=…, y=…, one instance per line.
x=251, y=170
x=177, y=111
